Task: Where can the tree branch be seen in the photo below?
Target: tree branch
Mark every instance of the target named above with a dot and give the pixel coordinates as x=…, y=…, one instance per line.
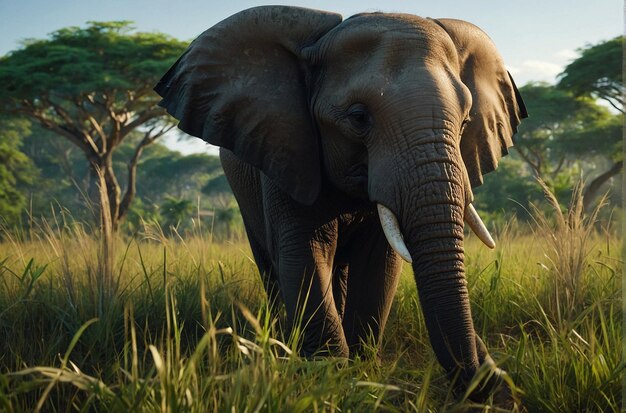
x=137, y=99
x=529, y=161
x=611, y=97
x=97, y=127
x=619, y=108
x=556, y=170
x=141, y=118
x=71, y=124
x=89, y=117
x=131, y=188
x=591, y=192
x=60, y=130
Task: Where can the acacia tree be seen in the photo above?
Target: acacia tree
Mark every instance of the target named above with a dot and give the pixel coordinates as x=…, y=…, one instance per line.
x=597, y=73
x=544, y=140
x=554, y=112
x=93, y=87
x=567, y=135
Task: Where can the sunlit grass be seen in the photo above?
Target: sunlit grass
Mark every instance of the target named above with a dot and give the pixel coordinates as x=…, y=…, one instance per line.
x=187, y=327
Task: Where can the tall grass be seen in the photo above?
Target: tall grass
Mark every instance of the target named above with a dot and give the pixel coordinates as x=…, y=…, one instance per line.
x=569, y=238
x=188, y=327
x=563, y=305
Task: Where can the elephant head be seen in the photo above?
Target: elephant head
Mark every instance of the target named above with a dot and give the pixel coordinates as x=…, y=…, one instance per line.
x=403, y=111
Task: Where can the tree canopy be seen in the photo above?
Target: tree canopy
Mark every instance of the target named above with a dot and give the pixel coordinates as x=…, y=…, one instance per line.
x=556, y=115
x=561, y=128
x=569, y=135
x=93, y=87
x=597, y=73
x=16, y=169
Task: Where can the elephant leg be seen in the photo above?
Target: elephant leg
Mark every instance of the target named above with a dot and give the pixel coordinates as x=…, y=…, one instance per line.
x=306, y=281
x=268, y=274
x=245, y=181
x=340, y=287
x=372, y=283
x=303, y=240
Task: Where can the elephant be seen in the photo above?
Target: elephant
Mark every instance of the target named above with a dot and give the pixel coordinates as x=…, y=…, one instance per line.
x=350, y=146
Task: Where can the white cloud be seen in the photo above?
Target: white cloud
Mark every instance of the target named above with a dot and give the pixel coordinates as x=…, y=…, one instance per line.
x=541, y=67
x=535, y=70
x=514, y=70
x=567, y=54
x=187, y=145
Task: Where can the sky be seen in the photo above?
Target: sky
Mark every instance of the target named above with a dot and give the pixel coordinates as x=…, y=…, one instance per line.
x=536, y=38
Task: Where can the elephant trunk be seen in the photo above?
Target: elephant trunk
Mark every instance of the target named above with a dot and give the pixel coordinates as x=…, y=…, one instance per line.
x=434, y=238
x=435, y=242
x=431, y=206
x=392, y=231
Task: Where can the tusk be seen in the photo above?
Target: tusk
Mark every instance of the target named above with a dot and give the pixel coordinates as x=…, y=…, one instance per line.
x=477, y=225
x=392, y=232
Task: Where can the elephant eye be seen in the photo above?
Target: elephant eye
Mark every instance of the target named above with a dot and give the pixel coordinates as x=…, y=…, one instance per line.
x=464, y=124
x=359, y=118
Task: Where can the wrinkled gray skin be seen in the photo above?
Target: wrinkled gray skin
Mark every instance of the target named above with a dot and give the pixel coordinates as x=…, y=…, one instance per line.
x=319, y=119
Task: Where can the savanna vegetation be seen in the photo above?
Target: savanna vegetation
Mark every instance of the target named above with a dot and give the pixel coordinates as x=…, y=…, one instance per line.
x=126, y=283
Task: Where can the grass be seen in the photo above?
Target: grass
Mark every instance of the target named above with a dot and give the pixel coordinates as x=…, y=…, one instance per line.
x=182, y=324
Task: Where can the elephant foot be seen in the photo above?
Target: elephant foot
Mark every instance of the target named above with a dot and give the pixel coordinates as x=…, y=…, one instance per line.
x=490, y=387
x=504, y=399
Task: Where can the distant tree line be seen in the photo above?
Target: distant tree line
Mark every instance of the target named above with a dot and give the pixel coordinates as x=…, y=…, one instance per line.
x=173, y=191
x=574, y=132
x=80, y=131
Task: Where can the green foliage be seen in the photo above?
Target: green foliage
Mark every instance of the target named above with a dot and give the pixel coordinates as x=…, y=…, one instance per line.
x=62, y=178
x=227, y=219
x=175, y=212
x=217, y=185
x=93, y=87
x=545, y=139
x=139, y=214
x=16, y=170
x=62, y=183
x=103, y=58
x=507, y=192
x=601, y=138
x=567, y=137
x=597, y=73
x=164, y=172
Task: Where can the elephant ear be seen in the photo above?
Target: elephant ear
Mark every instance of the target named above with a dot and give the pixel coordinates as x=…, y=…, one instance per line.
x=241, y=85
x=497, y=106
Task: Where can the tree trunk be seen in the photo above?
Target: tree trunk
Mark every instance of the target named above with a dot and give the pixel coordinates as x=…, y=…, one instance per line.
x=593, y=189
x=105, y=194
x=131, y=189
x=113, y=191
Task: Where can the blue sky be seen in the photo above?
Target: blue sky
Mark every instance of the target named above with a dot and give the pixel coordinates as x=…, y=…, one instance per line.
x=536, y=38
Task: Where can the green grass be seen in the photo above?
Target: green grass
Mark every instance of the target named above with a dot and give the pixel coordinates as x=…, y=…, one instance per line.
x=182, y=325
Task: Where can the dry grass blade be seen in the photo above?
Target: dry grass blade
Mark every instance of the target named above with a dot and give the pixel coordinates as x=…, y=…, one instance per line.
x=568, y=234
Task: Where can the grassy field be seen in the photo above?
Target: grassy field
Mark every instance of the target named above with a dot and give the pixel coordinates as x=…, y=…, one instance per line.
x=181, y=324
